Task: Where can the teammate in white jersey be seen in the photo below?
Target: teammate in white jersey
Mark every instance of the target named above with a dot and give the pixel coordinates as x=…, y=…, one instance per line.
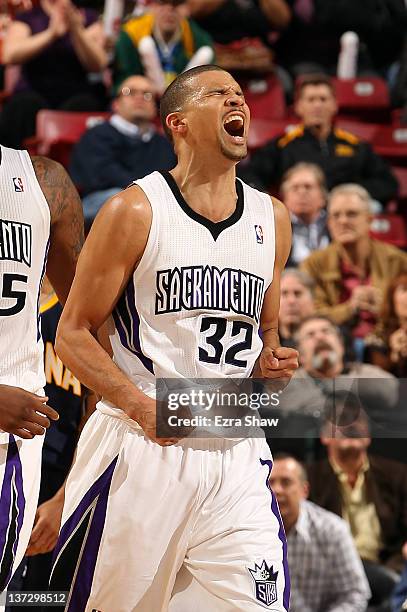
x=40, y=216
x=187, y=264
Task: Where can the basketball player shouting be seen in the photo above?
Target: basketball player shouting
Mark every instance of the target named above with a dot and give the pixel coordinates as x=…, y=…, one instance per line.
x=186, y=262
x=40, y=215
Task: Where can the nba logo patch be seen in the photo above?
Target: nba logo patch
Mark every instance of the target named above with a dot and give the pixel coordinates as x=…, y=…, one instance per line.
x=18, y=184
x=265, y=581
x=259, y=233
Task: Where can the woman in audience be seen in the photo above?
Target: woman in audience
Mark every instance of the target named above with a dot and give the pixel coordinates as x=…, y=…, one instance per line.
x=387, y=347
x=57, y=46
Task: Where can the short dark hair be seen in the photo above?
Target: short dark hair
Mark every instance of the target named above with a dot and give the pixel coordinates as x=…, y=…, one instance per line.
x=313, y=79
x=283, y=456
x=178, y=91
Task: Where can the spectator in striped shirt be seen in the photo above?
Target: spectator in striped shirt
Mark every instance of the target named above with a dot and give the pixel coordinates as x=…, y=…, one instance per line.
x=326, y=572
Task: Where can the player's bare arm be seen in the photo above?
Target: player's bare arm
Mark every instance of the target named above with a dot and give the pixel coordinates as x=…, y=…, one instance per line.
x=67, y=227
x=112, y=250
x=276, y=361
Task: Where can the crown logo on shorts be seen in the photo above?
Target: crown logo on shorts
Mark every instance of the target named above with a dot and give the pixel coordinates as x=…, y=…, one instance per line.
x=265, y=580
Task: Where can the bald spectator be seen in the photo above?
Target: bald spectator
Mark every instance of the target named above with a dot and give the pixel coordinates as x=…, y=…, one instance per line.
x=296, y=302
x=325, y=570
x=368, y=491
x=341, y=155
x=112, y=154
x=304, y=193
x=161, y=43
x=351, y=274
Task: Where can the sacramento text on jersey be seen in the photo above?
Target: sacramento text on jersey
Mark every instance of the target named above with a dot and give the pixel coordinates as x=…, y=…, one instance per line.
x=208, y=288
x=15, y=241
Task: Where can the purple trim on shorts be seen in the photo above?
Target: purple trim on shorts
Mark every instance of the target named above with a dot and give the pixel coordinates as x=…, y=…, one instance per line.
x=281, y=534
x=11, y=495
x=72, y=522
x=95, y=502
x=127, y=323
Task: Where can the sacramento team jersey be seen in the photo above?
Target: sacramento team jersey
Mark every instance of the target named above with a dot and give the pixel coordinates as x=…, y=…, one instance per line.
x=192, y=307
x=24, y=237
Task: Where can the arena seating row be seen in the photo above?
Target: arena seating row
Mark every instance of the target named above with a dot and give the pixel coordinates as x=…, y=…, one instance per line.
x=58, y=131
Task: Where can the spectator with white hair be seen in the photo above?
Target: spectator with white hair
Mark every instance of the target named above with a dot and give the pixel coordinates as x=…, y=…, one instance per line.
x=351, y=274
x=304, y=193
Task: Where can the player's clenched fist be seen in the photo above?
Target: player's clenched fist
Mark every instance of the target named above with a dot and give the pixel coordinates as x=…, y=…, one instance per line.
x=24, y=414
x=280, y=362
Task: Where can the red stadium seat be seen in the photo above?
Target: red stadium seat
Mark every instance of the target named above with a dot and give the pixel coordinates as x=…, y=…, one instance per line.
x=265, y=97
x=11, y=77
x=367, y=98
x=401, y=174
x=364, y=131
x=58, y=131
x=262, y=130
x=389, y=228
x=391, y=142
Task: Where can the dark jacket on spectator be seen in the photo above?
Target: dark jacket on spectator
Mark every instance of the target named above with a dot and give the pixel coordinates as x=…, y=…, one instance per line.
x=105, y=158
x=386, y=483
x=343, y=158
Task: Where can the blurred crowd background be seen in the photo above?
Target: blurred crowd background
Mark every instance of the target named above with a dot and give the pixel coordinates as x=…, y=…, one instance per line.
x=326, y=81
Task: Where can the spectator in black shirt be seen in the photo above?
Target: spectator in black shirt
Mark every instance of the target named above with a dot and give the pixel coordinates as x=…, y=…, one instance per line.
x=340, y=154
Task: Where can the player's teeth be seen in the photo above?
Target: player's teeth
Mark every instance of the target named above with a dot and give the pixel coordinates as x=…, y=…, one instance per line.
x=234, y=118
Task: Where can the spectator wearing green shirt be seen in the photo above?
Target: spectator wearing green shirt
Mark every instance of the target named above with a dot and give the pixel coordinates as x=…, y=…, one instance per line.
x=161, y=43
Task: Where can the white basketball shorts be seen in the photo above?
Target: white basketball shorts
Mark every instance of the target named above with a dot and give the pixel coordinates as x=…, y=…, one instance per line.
x=20, y=474
x=186, y=528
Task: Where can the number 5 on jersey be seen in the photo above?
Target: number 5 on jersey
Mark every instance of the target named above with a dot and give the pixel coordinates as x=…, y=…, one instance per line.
x=7, y=291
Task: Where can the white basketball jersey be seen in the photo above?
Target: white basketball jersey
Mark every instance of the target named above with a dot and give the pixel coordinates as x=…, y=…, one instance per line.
x=24, y=237
x=192, y=307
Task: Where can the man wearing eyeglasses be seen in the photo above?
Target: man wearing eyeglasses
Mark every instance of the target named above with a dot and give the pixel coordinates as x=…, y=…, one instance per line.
x=112, y=154
x=161, y=43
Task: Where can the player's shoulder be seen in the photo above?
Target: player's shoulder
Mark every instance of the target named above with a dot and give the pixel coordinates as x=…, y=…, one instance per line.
x=280, y=211
x=274, y=203
x=47, y=170
x=57, y=187
x=126, y=207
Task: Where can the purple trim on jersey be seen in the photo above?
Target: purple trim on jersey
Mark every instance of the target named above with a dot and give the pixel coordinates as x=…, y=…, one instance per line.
x=12, y=507
x=94, y=502
x=131, y=305
x=121, y=330
x=281, y=535
x=39, y=291
x=127, y=323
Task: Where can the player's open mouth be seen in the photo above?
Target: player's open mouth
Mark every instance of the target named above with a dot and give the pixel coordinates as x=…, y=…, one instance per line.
x=234, y=126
